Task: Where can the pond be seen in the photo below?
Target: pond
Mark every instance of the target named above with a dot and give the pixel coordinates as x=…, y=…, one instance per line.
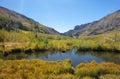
x=75, y=56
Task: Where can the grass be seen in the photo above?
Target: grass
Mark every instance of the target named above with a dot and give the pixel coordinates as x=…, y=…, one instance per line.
x=27, y=41
x=96, y=70
x=39, y=69
x=35, y=69
x=109, y=76
x=13, y=42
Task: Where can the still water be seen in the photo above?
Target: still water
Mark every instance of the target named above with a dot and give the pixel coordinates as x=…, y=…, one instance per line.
x=76, y=57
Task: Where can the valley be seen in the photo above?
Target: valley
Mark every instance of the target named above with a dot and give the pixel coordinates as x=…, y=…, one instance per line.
x=30, y=50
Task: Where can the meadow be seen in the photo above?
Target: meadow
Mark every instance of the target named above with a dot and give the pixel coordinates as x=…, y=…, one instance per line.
x=25, y=41
x=39, y=69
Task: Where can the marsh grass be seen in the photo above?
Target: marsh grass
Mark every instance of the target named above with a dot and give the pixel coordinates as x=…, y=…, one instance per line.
x=39, y=69
x=26, y=41
x=95, y=70
x=35, y=69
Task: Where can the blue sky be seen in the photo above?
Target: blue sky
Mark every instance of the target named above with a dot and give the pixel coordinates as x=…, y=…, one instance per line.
x=63, y=15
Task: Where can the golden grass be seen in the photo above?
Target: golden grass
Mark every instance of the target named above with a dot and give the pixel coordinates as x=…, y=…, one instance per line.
x=109, y=76
x=35, y=69
x=29, y=41
x=95, y=70
x=39, y=69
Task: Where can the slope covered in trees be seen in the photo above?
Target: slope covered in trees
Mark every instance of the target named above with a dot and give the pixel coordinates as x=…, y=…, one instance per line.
x=11, y=20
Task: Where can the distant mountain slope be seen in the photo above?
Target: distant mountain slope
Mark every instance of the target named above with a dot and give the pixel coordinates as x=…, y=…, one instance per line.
x=11, y=20
x=106, y=24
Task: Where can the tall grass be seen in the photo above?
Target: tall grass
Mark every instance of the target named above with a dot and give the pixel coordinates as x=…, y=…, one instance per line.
x=96, y=70
x=35, y=69
x=26, y=41
x=39, y=69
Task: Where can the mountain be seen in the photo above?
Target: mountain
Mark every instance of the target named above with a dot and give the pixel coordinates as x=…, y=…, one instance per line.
x=11, y=20
x=107, y=24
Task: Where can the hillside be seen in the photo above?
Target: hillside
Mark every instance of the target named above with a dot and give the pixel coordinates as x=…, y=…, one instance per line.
x=11, y=20
x=109, y=23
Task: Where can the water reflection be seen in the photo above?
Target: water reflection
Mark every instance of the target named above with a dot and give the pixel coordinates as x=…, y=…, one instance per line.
x=108, y=56
x=76, y=57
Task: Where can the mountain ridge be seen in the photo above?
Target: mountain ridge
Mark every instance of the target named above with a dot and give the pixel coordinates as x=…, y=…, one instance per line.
x=22, y=22
x=11, y=20
x=110, y=22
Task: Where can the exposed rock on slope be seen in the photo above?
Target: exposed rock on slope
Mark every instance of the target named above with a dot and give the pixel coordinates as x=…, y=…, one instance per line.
x=108, y=23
